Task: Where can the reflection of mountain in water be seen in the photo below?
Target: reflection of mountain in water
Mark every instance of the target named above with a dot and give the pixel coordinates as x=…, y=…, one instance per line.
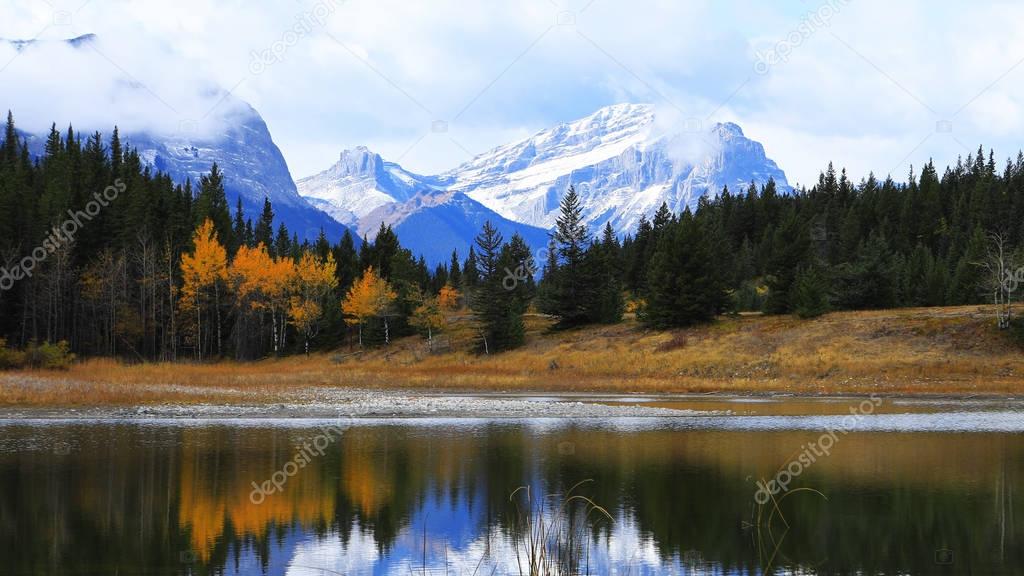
x=176, y=500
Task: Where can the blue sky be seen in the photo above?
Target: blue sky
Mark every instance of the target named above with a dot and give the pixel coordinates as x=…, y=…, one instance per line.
x=871, y=85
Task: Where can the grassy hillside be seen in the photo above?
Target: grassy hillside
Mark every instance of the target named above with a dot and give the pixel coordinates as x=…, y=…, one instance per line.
x=907, y=351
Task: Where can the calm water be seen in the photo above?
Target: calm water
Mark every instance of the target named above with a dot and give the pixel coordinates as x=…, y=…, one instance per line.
x=389, y=497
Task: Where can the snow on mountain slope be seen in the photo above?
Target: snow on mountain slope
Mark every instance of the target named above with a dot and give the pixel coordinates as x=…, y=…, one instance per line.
x=359, y=183
x=363, y=191
x=622, y=163
x=205, y=124
x=253, y=168
x=623, y=160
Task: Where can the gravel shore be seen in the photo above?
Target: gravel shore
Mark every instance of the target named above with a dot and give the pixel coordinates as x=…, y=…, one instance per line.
x=322, y=402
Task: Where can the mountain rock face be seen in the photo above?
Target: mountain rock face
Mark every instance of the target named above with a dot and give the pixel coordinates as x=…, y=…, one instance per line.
x=363, y=191
x=185, y=143
x=253, y=168
x=623, y=162
x=359, y=183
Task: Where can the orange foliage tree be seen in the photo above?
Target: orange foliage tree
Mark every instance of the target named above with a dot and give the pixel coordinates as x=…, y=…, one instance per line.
x=203, y=271
x=368, y=297
x=314, y=280
x=263, y=286
x=432, y=314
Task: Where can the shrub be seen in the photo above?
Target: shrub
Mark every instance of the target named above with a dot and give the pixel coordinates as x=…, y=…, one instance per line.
x=810, y=294
x=49, y=356
x=10, y=358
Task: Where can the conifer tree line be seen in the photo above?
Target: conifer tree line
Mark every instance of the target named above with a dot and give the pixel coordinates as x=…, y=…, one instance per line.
x=168, y=270
x=839, y=245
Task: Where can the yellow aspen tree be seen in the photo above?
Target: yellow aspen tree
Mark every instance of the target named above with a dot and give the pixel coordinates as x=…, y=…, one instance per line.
x=277, y=286
x=369, y=296
x=248, y=276
x=202, y=271
x=314, y=281
x=432, y=313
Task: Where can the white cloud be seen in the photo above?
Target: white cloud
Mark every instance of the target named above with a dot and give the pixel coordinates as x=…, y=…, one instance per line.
x=864, y=90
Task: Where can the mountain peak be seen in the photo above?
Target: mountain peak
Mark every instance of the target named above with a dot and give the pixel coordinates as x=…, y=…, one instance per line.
x=622, y=162
x=358, y=184
x=728, y=129
x=358, y=160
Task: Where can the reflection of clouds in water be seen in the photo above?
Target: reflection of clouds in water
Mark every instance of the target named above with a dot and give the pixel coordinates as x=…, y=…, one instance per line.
x=625, y=550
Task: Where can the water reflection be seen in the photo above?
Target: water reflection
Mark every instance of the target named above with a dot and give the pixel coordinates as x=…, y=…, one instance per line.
x=129, y=499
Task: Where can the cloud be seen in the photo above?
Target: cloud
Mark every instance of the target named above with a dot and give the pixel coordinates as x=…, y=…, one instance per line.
x=95, y=83
x=866, y=89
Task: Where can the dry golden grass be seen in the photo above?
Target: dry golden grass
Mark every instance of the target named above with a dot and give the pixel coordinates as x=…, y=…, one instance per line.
x=911, y=351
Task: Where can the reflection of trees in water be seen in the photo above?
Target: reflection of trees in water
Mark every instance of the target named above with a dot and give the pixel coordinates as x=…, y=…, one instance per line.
x=130, y=497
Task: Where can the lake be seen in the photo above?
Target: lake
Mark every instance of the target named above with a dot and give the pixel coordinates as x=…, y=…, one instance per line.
x=909, y=488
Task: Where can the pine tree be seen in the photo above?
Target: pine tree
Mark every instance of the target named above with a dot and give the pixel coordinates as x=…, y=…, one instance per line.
x=685, y=284
x=791, y=251
x=454, y=271
x=571, y=238
x=547, y=291
x=282, y=247
x=238, y=227
x=608, y=302
x=497, y=304
x=212, y=204
x=264, y=230
x=470, y=272
x=347, y=261
x=810, y=293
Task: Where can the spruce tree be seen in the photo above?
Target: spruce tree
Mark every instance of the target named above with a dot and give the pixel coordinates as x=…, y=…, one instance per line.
x=488, y=297
x=790, y=252
x=212, y=203
x=264, y=231
x=685, y=284
x=571, y=239
x=237, y=228
x=810, y=293
x=470, y=271
x=454, y=271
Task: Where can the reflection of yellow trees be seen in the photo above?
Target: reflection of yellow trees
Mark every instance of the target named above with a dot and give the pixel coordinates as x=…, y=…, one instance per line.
x=382, y=473
x=218, y=467
x=216, y=483
x=365, y=483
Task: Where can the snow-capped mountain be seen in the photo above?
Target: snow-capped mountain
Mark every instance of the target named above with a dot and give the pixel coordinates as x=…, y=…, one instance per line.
x=359, y=183
x=623, y=160
x=205, y=124
x=362, y=191
x=253, y=168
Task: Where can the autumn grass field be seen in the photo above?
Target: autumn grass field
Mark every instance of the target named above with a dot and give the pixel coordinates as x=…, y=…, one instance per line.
x=925, y=351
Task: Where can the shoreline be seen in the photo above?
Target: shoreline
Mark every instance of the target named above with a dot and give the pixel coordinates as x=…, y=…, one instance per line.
x=940, y=354
x=363, y=404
